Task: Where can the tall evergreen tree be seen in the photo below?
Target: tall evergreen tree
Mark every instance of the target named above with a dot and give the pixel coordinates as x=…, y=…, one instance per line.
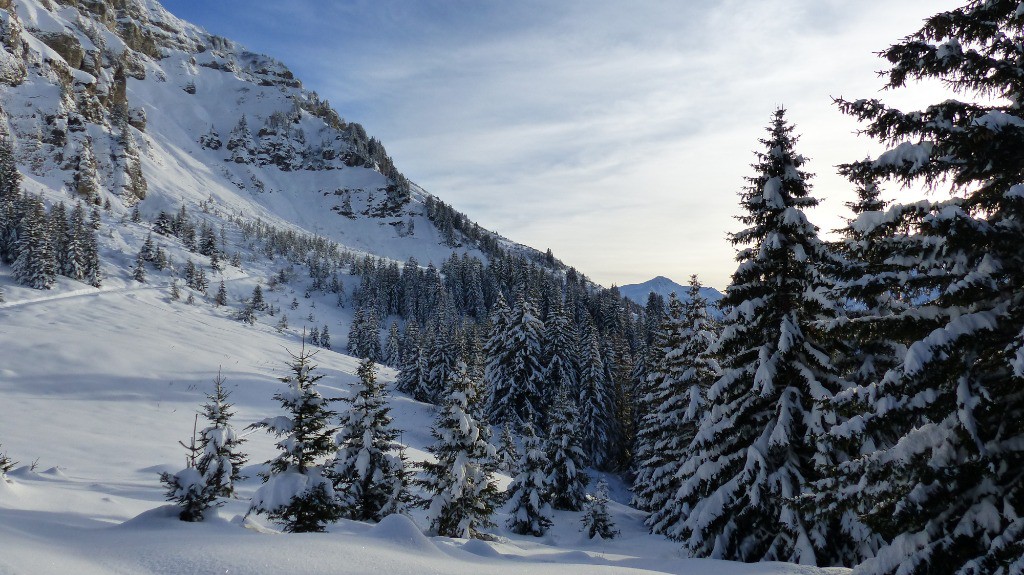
x=516, y=395
x=754, y=450
x=945, y=485
x=410, y=375
x=508, y=452
x=35, y=265
x=460, y=491
x=369, y=475
x=530, y=492
x=295, y=491
x=222, y=295
x=393, y=347
x=560, y=356
x=567, y=462
x=596, y=411
x=674, y=406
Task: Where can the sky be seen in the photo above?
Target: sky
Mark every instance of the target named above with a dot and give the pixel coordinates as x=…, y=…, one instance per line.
x=617, y=134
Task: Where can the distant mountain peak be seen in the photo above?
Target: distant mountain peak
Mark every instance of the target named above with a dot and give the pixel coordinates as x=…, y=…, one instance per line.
x=664, y=287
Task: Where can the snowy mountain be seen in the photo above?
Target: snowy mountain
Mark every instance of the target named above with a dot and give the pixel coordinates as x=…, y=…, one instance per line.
x=123, y=102
x=663, y=286
x=230, y=214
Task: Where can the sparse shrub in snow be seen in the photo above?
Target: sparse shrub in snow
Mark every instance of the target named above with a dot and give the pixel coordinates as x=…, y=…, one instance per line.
x=190, y=488
x=369, y=475
x=596, y=522
x=295, y=491
x=530, y=492
x=460, y=493
x=6, y=463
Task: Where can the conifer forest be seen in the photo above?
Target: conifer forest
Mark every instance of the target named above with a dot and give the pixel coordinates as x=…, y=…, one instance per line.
x=235, y=337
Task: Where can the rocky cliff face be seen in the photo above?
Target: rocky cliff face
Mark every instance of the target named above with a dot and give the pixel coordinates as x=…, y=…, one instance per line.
x=82, y=78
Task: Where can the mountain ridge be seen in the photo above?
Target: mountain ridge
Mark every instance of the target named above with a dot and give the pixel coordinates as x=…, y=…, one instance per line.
x=663, y=286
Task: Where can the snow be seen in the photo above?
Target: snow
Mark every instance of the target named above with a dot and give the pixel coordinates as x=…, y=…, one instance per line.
x=128, y=391
x=98, y=385
x=907, y=153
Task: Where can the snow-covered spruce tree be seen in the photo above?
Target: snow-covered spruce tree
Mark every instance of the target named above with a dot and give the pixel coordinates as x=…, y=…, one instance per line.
x=325, y=338
x=754, y=452
x=870, y=339
x=222, y=295
x=369, y=476
x=441, y=358
x=35, y=265
x=518, y=401
x=530, y=492
x=190, y=488
x=221, y=462
x=946, y=485
x=666, y=338
x=10, y=178
x=596, y=521
x=393, y=347
x=496, y=378
x=295, y=491
x=566, y=459
x=410, y=378
x=596, y=410
x=508, y=455
x=679, y=383
x=459, y=486
x=870, y=282
x=139, y=271
x=560, y=357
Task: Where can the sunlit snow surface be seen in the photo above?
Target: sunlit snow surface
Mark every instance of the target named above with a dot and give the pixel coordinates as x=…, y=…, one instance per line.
x=99, y=385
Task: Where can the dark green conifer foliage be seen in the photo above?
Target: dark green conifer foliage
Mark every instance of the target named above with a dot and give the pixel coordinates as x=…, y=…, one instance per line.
x=369, y=474
x=530, y=491
x=566, y=472
x=596, y=520
x=222, y=461
x=461, y=495
x=306, y=440
x=674, y=406
x=754, y=450
x=944, y=483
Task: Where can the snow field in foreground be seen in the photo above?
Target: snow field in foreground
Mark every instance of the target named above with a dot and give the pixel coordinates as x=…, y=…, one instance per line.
x=99, y=386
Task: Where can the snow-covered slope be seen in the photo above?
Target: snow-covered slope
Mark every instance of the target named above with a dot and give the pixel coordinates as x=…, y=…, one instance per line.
x=99, y=385
x=123, y=102
x=663, y=286
x=117, y=102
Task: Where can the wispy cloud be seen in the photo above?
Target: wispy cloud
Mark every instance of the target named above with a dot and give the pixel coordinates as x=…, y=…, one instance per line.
x=618, y=134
